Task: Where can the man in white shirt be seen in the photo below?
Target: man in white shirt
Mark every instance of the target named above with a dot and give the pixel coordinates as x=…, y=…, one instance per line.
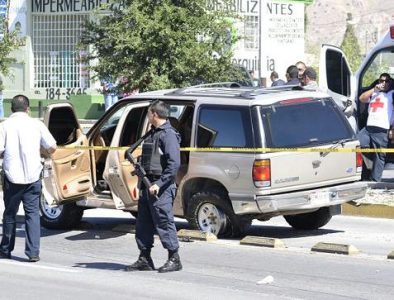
x=380, y=114
x=21, y=140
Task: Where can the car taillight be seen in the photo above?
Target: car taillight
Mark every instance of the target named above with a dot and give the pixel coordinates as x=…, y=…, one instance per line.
x=392, y=32
x=359, y=161
x=262, y=172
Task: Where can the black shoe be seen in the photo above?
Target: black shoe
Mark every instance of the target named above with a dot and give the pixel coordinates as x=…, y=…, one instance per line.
x=34, y=259
x=5, y=255
x=142, y=264
x=172, y=264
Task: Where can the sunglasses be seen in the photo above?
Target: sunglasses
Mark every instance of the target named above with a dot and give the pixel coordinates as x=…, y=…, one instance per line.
x=384, y=80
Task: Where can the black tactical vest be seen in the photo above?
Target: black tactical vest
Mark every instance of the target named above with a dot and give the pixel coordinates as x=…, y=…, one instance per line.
x=151, y=159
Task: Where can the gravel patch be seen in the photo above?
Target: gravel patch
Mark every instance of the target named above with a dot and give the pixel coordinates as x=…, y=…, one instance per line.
x=378, y=196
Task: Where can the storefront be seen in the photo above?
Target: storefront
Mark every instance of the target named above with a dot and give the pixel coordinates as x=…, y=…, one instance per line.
x=49, y=65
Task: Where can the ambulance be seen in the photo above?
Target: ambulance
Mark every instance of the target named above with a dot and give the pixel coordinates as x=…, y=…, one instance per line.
x=336, y=78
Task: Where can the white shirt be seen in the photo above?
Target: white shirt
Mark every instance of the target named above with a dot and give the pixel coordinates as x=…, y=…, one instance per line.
x=380, y=110
x=20, y=139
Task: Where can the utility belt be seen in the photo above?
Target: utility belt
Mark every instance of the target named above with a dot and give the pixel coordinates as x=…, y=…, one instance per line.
x=153, y=178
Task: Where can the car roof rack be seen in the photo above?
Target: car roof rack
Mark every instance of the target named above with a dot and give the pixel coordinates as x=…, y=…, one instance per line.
x=270, y=90
x=231, y=89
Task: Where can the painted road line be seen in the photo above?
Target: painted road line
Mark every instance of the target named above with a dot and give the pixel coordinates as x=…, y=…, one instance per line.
x=36, y=266
x=335, y=248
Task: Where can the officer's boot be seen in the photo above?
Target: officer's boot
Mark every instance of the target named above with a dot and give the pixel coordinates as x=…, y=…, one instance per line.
x=172, y=264
x=144, y=262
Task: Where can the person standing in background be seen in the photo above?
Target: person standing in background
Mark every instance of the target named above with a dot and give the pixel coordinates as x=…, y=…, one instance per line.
x=275, y=79
x=309, y=78
x=22, y=139
x=110, y=92
x=292, y=76
x=301, y=66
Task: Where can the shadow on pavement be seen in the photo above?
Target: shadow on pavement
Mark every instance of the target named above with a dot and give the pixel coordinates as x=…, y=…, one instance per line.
x=95, y=235
x=286, y=232
x=100, y=265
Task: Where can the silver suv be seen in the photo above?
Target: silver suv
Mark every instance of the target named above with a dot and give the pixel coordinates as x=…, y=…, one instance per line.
x=226, y=179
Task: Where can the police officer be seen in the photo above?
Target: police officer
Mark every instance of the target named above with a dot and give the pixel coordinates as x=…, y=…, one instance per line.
x=161, y=160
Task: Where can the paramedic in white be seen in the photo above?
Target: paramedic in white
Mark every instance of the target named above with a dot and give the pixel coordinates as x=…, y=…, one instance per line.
x=21, y=138
x=380, y=115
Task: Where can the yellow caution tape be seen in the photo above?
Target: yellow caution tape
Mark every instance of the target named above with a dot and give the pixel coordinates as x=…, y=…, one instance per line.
x=247, y=150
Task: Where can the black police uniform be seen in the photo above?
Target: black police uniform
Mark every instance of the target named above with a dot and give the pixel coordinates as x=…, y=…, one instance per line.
x=161, y=160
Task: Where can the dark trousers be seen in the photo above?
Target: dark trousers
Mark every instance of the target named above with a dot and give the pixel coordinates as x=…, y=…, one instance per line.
x=374, y=138
x=29, y=194
x=156, y=215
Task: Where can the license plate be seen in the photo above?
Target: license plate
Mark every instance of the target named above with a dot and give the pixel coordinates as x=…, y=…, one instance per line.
x=319, y=198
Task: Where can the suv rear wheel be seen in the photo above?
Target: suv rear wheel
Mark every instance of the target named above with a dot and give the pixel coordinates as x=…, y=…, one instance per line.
x=60, y=217
x=211, y=212
x=309, y=221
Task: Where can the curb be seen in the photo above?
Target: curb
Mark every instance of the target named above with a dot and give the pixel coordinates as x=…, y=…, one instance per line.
x=335, y=248
x=196, y=235
x=262, y=242
x=369, y=210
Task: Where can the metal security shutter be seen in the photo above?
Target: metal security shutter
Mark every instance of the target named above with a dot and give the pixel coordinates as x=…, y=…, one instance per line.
x=56, y=57
x=251, y=36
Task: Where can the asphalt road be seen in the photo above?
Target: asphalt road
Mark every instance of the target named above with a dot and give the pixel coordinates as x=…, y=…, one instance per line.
x=88, y=264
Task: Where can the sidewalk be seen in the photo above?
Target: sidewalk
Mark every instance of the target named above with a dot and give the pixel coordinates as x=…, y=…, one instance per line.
x=379, y=199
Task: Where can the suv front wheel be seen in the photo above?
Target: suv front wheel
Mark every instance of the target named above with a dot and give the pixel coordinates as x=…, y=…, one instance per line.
x=64, y=216
x=309, y=221
x=211, y=212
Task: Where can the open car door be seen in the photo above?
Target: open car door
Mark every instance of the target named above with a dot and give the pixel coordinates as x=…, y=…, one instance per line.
x=67, y=174
x=335, y=78
x=118, y=169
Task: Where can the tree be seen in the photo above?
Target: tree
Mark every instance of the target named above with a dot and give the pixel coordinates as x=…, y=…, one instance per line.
x=351, y=48
x=9, y=41
x=161, y=44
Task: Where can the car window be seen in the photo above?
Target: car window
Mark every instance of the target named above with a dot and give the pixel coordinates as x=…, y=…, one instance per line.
x=224, y=126
x=62, y=125
x=338, y=75
x=382, y=62
x=107, y=129
x=132, y=126
x=304, y=124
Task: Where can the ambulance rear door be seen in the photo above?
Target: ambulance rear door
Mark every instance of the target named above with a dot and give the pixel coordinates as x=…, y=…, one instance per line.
x=335, y=78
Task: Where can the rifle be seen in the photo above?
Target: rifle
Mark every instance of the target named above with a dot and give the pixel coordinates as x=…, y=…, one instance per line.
x=138, y=169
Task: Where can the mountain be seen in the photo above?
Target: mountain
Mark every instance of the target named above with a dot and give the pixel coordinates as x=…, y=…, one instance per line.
x=326, y=22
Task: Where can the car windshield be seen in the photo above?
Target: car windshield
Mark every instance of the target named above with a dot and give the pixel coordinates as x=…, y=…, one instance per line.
x=303, y=123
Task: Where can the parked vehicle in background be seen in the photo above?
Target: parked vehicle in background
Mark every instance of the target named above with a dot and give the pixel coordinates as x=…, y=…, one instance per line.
x=223, y=189
x=337, y=78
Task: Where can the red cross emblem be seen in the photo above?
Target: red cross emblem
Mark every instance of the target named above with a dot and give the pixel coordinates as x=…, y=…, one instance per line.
x=376, y=104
